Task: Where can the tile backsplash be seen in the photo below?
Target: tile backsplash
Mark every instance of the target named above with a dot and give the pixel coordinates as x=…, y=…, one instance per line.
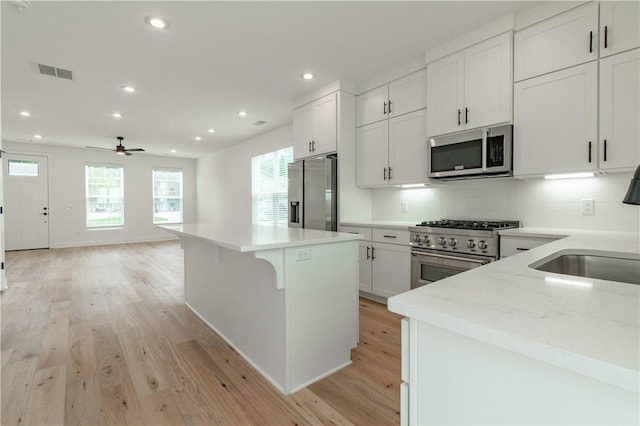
x=535, y=202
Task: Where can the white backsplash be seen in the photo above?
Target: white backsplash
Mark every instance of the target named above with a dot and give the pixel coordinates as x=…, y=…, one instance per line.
x=535, y=202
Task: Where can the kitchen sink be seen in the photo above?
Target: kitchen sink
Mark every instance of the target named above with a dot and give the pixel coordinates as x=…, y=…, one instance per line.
x=602, y=265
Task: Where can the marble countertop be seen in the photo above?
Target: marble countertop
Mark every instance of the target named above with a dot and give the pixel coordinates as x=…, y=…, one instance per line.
x=588, y=326
x=255, y=237
x=380, y=224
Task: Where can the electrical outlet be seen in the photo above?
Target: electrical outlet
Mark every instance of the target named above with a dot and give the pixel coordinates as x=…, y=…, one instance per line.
x=404, y=207
x=587, y=207
x=303, y=254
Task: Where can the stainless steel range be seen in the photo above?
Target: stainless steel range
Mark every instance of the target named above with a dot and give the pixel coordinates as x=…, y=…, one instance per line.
x=442, y=248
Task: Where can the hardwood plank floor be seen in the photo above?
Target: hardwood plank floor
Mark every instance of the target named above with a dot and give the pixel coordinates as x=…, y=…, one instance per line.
x=101, y=336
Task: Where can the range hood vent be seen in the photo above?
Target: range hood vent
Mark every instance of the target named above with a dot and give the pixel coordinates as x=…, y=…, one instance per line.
x=55, y=72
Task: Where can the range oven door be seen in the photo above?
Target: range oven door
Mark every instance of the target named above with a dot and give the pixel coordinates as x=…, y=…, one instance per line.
x=429, y=266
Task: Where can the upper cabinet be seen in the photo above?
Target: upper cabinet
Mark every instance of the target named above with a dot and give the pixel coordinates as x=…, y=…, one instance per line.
x=472, y=88
x=556, y=122
x=562, y=41
x=619, y=26
x=619, y=111
x=315, y=127
x=399, y=97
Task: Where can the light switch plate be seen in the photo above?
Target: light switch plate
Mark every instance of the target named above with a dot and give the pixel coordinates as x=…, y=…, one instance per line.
x=404, y=207
x=587, y=207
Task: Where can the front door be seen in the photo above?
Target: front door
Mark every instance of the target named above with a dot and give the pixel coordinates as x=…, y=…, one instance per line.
x=26, y=190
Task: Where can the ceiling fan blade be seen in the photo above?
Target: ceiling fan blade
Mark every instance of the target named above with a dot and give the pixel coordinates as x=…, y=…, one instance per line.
x=127, y=153
x=134, y=149
x=98, y=147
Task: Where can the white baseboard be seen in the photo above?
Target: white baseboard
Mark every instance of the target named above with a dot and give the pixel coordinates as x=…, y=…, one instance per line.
x=71, y=244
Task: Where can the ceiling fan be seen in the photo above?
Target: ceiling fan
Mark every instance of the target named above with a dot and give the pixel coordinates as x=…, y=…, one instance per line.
x=120, y=149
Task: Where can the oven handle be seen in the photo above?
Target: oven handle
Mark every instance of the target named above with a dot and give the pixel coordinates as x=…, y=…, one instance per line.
x=444, y=256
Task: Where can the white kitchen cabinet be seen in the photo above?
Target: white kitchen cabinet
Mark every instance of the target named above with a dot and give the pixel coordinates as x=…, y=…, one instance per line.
x=384, y=261
x=556, y=122
x=472, y=88
x=392, y=152
x=511, y=245
x=619, y=26
x=399, y=97
x=315, y=127
x=562, y=41
x=619, y=111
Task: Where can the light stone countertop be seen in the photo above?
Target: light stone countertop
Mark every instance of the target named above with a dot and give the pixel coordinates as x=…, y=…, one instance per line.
x=395, y=224
x=252, y=238
x=588, y=326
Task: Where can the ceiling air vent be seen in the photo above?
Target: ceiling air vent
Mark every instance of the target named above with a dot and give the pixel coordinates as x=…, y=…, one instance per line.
x=259, y=123
x=55, y=72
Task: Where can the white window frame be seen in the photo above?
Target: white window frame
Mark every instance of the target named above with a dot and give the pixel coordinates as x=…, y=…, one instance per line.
x=92, y=209
x=277, y=216
x=154, y=197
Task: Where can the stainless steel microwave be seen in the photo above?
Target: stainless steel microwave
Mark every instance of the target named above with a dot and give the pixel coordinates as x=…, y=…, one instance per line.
x=475, y=153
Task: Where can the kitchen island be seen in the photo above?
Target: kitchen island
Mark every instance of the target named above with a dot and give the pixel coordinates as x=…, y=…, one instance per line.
x=286, y=299
x=509, y=344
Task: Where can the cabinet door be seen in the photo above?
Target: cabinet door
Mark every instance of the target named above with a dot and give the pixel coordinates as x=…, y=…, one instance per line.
x=325, y=125
x=408, y=148
x=391, y=269
x=372, y=106
x=372, y=154
x=364, y=263
x=303, y=129
x=445, y=95
x=408, y=93
x=619, y=26
x=555, y=122
x=559, y=42
x=488, y=82
x=619, y=111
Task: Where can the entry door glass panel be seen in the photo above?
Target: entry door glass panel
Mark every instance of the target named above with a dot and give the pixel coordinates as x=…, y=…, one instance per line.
x=26, y=202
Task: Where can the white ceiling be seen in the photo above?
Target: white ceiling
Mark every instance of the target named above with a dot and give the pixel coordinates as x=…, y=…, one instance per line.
x=216, y=59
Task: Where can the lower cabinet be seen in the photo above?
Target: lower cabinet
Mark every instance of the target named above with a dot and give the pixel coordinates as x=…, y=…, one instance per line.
x=385, y=267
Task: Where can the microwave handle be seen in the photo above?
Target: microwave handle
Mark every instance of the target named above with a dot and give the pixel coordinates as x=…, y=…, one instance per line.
x=484, y=149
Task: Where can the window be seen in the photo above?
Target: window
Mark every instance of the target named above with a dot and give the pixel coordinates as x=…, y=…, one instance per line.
x=23, y=168
x=167, y=196
x=105, y=196
x=269, y=187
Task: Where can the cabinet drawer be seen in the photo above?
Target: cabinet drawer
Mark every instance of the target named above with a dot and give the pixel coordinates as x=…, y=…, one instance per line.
x=357, y=230
x=514, y=245
x=392, y=236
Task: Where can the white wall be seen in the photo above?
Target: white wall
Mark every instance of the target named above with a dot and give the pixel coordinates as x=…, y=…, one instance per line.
x=67, y=220
x=535, y=202
x=224, y=177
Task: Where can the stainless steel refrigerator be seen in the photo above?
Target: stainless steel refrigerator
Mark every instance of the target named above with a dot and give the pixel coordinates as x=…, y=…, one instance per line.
x=313, y=193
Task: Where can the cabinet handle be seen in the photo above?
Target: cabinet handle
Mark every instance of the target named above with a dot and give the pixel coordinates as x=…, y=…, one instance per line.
x=389, y=236
x=589, y=151
x=605, y=38
x=373, y=250
x=368, y=256
x=384, y=108
x=309, y=146
x=521, y=249
x=605, y=150
x=313, y=146
x=389, y=106
x=466, y=115
x=389, y=173
x=590, y=41
x=459, y=123
x=385, y=174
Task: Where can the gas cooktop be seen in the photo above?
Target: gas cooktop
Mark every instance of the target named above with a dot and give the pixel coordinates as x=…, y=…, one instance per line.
x=489, y=225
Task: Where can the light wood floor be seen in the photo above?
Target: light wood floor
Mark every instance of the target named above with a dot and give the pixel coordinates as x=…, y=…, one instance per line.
x=100, y=335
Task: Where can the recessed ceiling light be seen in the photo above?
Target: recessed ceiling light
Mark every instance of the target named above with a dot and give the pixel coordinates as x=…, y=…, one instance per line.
x=25, y=113
x=117, y=115
x=308, y=76
x=157, y=22
x=198, y=138
x=128, y=89
x=37, y=136
x=242, y=113
x=173, y=151
x=211, y=130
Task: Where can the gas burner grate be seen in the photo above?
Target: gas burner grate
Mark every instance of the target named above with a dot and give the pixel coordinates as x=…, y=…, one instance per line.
x=489, y=225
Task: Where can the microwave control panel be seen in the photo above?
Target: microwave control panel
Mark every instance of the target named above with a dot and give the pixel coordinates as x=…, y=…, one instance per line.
x=495, y=151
